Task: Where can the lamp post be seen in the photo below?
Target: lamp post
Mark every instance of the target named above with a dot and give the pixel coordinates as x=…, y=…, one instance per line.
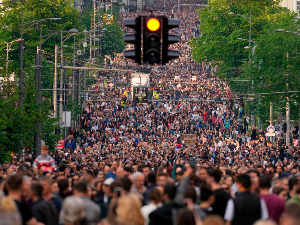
x=287, y=103
x=21, y=81
x=73, y=32
x=8, y=45
x=250, y=23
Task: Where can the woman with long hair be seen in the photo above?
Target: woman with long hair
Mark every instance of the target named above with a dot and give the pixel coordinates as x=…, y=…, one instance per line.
x=121, y=213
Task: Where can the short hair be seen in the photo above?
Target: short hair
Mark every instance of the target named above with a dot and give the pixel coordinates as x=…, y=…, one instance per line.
x=126, y=183
x=205, y=193
x=45, y=178
x=264, y=181
x=81, y=187
x=63, y=184
x=136, y=174
x=170, y=190
x=116, y=183
x=146, y=166
x=128, y=169
x=78, y=167
x=89, y=172
x=45, y=147
x=155, y=195
x=215, y=174
x=151, y=177
x=22, y=169
x=37, y=189
x=244, y=180
x=253, y=171
x=73, y=209
x=213, y=220
x=190, y=193
x=277, y=190
x=292, y=182
x=15, y=182
x=62, y=168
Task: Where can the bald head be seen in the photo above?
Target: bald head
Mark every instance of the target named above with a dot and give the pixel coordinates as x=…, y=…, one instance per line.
x=120, y=173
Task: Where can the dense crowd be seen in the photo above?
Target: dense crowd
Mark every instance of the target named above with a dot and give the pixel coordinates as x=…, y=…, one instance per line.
x=189, y=156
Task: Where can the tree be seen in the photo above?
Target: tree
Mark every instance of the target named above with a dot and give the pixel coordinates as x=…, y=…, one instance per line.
x=218, y=43
x=19, y=123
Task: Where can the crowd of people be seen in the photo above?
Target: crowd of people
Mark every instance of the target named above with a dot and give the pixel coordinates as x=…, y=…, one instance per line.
x=190, y=155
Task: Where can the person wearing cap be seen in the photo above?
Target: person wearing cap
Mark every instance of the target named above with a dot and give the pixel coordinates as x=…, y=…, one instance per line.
x=44, y=159
x=104, y=200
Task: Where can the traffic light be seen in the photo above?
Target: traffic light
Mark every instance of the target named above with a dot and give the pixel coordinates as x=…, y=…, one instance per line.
x=169, y=39
x=152, y=35
x=134, y=23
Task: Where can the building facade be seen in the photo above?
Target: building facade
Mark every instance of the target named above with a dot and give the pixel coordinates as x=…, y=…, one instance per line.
x=293, y=5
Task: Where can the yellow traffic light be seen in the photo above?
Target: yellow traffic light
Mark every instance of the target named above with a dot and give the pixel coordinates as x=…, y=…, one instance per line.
x=153, y=24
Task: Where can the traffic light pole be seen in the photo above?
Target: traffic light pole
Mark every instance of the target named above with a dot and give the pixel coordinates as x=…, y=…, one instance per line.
x=37, y=138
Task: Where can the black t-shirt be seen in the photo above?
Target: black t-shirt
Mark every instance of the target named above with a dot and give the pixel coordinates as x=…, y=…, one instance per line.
x=25, y=211
x=220, y=204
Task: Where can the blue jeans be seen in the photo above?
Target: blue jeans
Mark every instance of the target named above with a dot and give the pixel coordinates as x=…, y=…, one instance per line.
x=239, y=128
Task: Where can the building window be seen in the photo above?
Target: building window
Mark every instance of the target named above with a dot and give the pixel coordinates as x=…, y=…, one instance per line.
x=298, y=5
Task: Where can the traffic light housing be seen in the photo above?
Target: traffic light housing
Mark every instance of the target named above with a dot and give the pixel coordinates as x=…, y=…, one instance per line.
x=152, y=35
x=169, y=39
x=134, y=23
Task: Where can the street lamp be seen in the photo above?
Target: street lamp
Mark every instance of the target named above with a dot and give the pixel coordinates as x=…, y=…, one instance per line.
x=21, y=94
x=8, y=45
x=21, y=81
x=249, y=20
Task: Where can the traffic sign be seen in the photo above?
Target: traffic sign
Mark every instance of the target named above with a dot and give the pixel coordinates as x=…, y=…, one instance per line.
x=60, y=145
x=271, y=129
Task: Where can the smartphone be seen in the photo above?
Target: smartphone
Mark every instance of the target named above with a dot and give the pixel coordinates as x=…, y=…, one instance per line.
x=118, y=191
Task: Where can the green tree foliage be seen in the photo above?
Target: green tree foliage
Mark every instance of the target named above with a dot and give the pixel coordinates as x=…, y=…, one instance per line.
x=19, y=124
x=272, y=55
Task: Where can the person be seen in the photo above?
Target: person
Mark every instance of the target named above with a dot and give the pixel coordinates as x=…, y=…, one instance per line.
x=275, y=204
x=295, y=199
x=213, y=220
x=47, y=194
x=8, y=212
x=92, y=209
x=163, y=215
x=291, y=216
x=186, y=216
x=14, y=187
x=265, y=222
x=73, y=212
x=138, y=187
x=221, y=196
x=155, y=202
x=112, y=173
x=44, y=159
x=253, y=133
x=44, y=211
x=247, y=207
x=105, y=199
x=281, y=192
x=207, y=198
x=129, y=215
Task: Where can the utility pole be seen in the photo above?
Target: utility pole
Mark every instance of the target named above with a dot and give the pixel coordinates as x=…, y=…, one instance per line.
x=55, y=82
x=21, y=82
x=61, y=80
x=271, y=118
x=37, y=138
x=73, y=80
x=66, y=94
x=287, y=122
